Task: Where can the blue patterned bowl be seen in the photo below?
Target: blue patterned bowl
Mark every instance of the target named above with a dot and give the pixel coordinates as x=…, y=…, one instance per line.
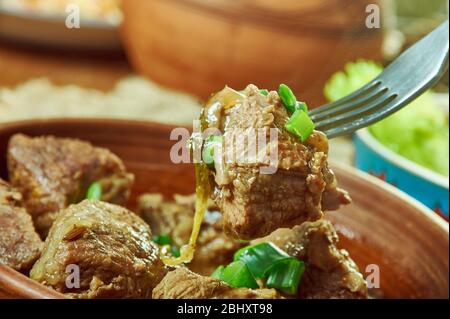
x=430, y=188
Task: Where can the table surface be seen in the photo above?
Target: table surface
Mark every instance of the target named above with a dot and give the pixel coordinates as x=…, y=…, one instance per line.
x=100, y=70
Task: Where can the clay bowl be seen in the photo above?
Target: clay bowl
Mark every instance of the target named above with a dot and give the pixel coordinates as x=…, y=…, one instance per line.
x=383, y=227
x=199, y=45
x=50, y=31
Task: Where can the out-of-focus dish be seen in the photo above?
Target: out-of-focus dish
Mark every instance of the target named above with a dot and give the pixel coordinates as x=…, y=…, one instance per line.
x=430, y=188
x=262, y=42
x=43, y=23
x=409, y=149
x=101, y=10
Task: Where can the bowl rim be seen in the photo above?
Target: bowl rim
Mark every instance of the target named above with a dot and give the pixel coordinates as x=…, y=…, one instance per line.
x=414, y=169
x=426, y=211
x=21, y=284
x=56, y=18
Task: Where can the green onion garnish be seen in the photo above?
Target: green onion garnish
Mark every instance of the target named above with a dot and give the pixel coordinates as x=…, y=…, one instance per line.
x=264, y=92
x=260, y=258
x=175, y=251
x=211, y=143
x=287, y=97
x=300, y=125
x=262, y=261
x=218, y=273
x=301, y=106
x=237, y=275
x=162, y=239
x=285, y=275
x=289, y=100
x=166, y=242
x=94, y=191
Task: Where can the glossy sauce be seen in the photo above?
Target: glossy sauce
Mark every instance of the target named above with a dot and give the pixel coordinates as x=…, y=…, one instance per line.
x=224, y=99
x=202, y=190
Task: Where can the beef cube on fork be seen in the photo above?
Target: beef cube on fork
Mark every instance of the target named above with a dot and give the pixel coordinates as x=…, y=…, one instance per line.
x=255, y=202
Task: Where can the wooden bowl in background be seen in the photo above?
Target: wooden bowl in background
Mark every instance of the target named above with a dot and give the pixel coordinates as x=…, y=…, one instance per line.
x=382, y=226
x=199, y=46
x=50, y=31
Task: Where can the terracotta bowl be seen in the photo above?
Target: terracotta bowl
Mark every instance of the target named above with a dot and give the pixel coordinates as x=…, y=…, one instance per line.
x=200, y=45
x=383, y=227
x=50, y=31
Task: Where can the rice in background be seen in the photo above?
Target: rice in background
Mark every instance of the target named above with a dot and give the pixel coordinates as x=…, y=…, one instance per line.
x=132, y=98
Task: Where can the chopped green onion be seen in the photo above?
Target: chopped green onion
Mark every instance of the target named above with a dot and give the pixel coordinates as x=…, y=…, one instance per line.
x=239, y=252
x=94, y=191
x=175, y=251
x=165, y=240
x=300, y=125
x=301, y=106
x=218, y=273
x=260, y=258
x=262, y=261
x=237, y=275
x=285, y=275
x=264, y=92
x=162, y=240
x=287, y=97
x=211, y=143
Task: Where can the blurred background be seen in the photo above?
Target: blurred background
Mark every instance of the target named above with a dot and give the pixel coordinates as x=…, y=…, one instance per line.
x=158, y=60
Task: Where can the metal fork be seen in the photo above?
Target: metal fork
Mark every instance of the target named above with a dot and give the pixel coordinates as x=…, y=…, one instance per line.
x=405, y=79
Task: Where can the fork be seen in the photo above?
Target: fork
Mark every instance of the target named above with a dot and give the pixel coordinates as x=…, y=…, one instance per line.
x=405, y=79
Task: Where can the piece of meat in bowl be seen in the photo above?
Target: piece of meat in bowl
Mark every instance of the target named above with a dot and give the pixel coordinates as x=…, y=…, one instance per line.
x=175, y=218
x=20, y=245
x=184, y=284
x=330, y=272
x=52, y=173
x=283, y=183
x=109, y=247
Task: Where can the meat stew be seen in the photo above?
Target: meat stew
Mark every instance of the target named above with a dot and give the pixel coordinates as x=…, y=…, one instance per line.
x=117, y=250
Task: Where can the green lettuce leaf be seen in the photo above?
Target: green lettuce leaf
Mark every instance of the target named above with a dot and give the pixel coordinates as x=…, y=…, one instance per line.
x=418, y=132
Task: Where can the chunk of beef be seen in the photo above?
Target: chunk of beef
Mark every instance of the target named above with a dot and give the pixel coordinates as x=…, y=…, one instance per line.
x=111, y=247
x=52, y=173
x=9, y=196
x=253, y=202
x=175, y=218
x=184, y=284
x=20, y=245
x=330, y=272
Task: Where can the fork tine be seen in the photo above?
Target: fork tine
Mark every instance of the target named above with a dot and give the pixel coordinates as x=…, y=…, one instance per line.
x=412, y=73
x=395, y=103
x=375, y=116
x=357, y=113
x=374, y=94
x=358, y=93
